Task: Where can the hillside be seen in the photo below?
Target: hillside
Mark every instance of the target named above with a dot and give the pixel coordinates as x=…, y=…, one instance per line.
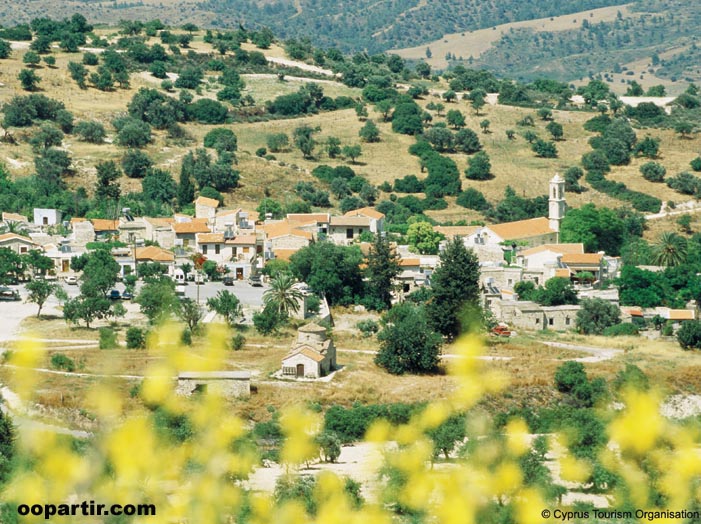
x=276, y=174
x=351, y=26
x=640, y=40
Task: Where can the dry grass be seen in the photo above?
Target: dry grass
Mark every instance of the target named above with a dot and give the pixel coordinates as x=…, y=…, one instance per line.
x=474, y=43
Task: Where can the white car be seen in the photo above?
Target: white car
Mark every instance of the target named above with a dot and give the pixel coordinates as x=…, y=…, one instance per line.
x=71, y=281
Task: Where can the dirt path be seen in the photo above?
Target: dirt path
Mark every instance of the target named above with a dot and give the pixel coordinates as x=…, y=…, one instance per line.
x=597, y=354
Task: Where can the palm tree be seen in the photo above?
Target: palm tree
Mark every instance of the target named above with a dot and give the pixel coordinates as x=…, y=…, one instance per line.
x=669, y=250
x=282, y=296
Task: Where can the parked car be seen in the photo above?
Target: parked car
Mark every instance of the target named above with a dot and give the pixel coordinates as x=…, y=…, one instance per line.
x=7, y=293
x=255, y=280
x=127, y=295
x=180, y=290
x=228, y=281
x=72, y=281
x=115, y=294
x=501, y=331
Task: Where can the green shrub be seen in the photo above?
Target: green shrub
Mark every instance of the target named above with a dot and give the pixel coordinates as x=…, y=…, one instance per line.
x=108, y=338
x=689, y=334
x=619, y=330
x=61, y=361
x=368, y=327
x=136, y=338
x=237, y=342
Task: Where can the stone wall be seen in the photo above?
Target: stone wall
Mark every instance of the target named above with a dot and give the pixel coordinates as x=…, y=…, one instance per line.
x=230, y=384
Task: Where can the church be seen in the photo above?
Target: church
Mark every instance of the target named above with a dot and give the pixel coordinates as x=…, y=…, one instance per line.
x=490, y=242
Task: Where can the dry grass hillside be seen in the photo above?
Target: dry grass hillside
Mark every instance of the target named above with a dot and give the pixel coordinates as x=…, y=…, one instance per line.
x=513, y=163
x=474, y=43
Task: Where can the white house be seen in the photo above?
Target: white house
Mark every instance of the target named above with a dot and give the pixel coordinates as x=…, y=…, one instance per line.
x=345, y=230
x=312, y=355
x=46, y=217
x=377, y=219
x=17, y=243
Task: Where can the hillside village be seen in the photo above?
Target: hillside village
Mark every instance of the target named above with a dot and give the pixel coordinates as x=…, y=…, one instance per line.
x=330, y=286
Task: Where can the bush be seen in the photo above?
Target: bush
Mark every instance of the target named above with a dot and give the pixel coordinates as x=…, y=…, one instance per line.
x=696, y=163
x=653, y=172
x=237, y=342
x=689, y=334
x=108, y=338
x=620, y=330
x=136, y=338
x=91, y=131
x=207, y=111
x=62, y=362
x=221, y=139
x=471, y=198
x=368, y=327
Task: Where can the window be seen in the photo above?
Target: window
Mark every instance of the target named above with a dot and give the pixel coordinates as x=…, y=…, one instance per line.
x=45, y=221
x=567, y=321
x=536, y=281
x=204, y=249
x=551, y=321
x=510, y=282
x=23, y=249
x=537, y=321
x=349, y=233
x=186, y=242
x=216, y=249
x=245, y=249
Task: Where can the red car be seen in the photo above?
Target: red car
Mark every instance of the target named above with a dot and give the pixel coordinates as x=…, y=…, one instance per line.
x=501, y=331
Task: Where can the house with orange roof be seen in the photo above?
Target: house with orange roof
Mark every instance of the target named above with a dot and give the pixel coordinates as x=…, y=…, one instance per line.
x=284, y=235
x=235, y=252
x=105, y=229
x=206, y=208
x=377, y=219
x=547, y=254
x=186, y=231
x=315, y=223
x=346, y=230
x=579, y=263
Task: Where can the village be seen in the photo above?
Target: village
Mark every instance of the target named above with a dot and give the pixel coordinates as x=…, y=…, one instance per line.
x=241, y=243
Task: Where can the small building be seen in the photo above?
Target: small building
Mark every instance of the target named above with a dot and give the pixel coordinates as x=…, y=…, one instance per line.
x=206, y=208
x=345, y=230
x=47, y=217
x=377, y=219
x=18, y=243
x=105, y=230
x=229, y=384
x=187, y=232
x=312, y=355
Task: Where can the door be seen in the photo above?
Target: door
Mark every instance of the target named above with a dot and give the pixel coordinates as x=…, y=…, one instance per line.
x=300, y=370
x=65, y=265
x=239, y=273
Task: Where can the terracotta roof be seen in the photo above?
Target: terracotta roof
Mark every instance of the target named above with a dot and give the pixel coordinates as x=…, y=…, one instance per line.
x=682, y=314
x=522, y=228
x=456, y=231
x=208, y=202
x=102, y=224
x=312, y=327
x=195, y=226
x=242, y=240
x=227, y=212
x=284, y=254
x=581, y=258
x=160, y=222
x=409, y=262
x=210, y=238
x=13, y=217
x=370, y=212
x=283, y=228
x=355, y=221
x=633, y=311
x=15, y=236
x=306, y=218
x=563, y=273
x=308, y=352
x=75, y=220
x=556, y=248
x=154, y=253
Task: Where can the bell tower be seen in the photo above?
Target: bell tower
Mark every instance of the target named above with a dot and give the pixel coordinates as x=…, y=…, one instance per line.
x=558, y=206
